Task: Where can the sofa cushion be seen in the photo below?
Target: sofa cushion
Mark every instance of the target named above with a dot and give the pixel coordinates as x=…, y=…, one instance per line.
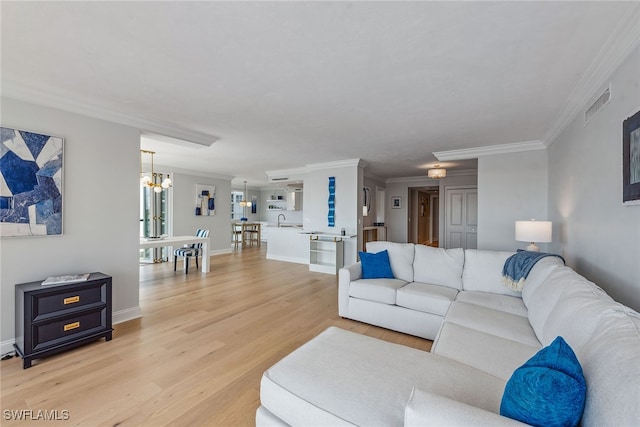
x=575, y=317
x=493, y=322
x=611, y=365
x=378, y=290
x=400, y=256
x=431, y=409
x=376, y=265
x=343, y=377
x=562, y=291
x=483, y=272
x=506, y=303
x=438, y=265
x=548, y=390
x=490, y=353
x=425, y=297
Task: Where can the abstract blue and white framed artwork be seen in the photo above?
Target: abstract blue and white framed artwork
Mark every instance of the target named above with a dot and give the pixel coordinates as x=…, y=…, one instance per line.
x=31, y=172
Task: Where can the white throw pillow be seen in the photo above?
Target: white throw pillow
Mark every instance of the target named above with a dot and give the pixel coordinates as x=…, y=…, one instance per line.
x=400, y=257
x=483, y=272
x=438, y=266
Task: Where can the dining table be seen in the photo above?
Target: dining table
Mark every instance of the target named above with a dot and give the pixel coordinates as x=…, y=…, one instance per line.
x=179, y=241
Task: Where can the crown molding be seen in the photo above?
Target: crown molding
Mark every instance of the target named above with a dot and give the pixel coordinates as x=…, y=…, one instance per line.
x=48, y=98
x=282, y=173
x=618, y=47
x=337, y=164
x=489, y=150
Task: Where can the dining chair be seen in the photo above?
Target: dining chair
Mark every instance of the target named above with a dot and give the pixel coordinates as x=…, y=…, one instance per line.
x=189, y=251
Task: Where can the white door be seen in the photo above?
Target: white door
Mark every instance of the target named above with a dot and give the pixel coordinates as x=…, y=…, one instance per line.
x=461, y=217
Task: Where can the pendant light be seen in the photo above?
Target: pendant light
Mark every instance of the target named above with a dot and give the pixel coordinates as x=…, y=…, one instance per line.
x=149, y=181
x=245, y=203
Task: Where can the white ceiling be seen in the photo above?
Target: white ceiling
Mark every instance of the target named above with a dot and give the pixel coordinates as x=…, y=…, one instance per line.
x=284, y=84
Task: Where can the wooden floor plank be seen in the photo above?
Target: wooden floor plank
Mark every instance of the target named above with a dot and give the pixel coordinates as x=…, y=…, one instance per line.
x=196, y=356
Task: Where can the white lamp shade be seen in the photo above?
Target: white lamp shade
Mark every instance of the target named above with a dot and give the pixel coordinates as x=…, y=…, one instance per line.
x=533, y=231
x=436, y=173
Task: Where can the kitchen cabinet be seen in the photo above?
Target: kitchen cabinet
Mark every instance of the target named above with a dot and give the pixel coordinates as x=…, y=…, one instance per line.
x=294, y=200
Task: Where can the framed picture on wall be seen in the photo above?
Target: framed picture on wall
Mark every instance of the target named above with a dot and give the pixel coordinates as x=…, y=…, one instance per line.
x=31, y=169
x=631, y=159
x=396, y=202
x=205, y=200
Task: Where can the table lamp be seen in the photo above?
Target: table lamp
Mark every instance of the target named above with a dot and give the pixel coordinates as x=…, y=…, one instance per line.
x=533, y=231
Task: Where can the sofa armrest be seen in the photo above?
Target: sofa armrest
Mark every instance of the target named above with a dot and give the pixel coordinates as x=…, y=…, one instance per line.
x=430, y=409
x=345, y=276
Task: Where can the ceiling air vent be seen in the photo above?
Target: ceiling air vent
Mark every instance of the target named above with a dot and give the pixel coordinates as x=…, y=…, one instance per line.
x=598, y=104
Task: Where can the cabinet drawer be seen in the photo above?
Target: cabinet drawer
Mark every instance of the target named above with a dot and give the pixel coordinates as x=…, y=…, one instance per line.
x=57, y=301
x=67, y=328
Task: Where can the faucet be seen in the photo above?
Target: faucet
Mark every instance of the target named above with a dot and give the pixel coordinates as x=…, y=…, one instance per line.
x=284, y=218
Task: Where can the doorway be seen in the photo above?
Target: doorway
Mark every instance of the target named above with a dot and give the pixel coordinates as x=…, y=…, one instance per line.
x=424, y=216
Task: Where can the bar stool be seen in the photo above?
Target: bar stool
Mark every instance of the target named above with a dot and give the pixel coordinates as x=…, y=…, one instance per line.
x=236, y=235
x=251, y=234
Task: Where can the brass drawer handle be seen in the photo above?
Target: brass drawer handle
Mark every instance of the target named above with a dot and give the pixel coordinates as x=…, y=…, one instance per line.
x=71, y=300
x=70, y=326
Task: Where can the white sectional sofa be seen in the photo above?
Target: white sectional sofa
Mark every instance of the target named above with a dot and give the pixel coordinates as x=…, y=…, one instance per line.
x=483, y=332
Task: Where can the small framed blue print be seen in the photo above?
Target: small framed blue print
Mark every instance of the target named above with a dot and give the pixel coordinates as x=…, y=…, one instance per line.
x=31, y=178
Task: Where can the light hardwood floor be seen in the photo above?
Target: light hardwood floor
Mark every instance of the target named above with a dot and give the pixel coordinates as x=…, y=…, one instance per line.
x=196, y=356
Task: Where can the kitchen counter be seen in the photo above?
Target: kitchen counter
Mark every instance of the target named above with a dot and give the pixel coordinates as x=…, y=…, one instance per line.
x=288, y=244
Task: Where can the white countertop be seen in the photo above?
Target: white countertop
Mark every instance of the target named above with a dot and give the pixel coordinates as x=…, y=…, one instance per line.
x=330, y=235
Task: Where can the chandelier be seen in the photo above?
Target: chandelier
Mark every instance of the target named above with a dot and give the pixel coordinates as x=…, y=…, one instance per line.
x=245, y=202
x=437, y=173
x=149, y=181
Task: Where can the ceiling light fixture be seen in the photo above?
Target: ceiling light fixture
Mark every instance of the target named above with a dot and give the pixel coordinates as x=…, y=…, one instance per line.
x=149, y=181
x=437, y=173
x=245, y=202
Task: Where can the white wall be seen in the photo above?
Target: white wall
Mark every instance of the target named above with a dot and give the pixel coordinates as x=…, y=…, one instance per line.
x=511, y=187
x=598, y=236
x=348, y=199
x=183, y=207
x=101, y=210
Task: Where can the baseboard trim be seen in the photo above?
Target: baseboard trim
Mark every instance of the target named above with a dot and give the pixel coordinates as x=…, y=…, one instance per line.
x=126, y=315
x=220, y=252
x=7, y=346
x=288, y=259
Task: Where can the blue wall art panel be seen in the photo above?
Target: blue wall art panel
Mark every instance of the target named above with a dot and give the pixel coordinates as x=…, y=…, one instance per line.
x=205, y=200
x=30, y=183
x=332, y=202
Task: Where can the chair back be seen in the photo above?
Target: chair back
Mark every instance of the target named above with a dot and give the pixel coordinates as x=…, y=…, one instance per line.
x=200, y=233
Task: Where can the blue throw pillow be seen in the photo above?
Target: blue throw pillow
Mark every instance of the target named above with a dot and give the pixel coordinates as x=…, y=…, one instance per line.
x=549, y=390
x=376, y=266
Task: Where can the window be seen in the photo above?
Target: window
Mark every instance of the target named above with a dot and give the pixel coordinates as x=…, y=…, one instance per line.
x=236, y=209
